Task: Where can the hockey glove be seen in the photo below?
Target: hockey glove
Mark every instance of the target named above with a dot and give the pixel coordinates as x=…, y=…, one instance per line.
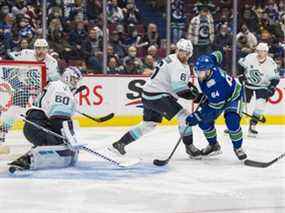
x=193, y=119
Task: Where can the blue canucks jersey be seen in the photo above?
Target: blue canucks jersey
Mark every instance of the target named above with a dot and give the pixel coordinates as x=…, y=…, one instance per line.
x=220, y=89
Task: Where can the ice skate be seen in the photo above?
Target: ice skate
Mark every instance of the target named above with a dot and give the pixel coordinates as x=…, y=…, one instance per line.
x=193, y=152
x=252, y=132
x=240, y=153
x=212, y=150
x=118, y=148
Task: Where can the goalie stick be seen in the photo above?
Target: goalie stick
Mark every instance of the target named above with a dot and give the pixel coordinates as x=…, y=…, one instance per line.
x=100, y=119
x=87, y=149
x=260, y=164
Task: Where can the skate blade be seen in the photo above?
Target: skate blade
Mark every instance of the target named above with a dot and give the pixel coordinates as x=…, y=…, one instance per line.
x=4, y=150
x=195, y=157
x=114, y=151
x=124, y=160
x=251, y=135
x=212, y=154
x=129, y=162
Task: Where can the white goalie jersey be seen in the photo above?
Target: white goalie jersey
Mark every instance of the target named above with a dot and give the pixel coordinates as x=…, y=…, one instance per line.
x=170, y=76
x=57, y=100
x=259, y=75
x=30, y=55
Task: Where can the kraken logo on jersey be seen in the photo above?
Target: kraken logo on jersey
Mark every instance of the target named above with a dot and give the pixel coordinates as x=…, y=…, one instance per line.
x=254, y=76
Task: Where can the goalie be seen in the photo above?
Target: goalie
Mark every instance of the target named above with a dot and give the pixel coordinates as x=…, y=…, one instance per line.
x=22, y=85
x=52, y=110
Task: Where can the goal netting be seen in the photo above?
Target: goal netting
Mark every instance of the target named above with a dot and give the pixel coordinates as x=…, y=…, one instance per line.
x=20, y=83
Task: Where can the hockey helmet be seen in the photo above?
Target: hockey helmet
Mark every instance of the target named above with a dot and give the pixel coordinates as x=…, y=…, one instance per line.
x=185, y=45
x=262, y=46
x=71, y=76
x=204, y=62
x=40, y=42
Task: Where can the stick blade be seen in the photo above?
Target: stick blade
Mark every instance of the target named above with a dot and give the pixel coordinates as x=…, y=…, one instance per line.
x=257, y=164
x=160, y=162
x=107, y=117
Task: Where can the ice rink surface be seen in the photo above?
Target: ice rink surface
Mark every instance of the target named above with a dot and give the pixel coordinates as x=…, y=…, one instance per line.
x=215, y=185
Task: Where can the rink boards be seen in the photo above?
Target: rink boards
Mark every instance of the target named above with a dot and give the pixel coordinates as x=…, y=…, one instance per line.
x=122, y=95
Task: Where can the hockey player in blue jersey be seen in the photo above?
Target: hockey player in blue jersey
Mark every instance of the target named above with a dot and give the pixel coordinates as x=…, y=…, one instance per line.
x=223, y=94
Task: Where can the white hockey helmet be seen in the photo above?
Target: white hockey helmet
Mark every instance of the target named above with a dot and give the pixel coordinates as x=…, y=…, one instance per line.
x=40, y=42
x=71, y=76
x=185, y=45
x=262, y=46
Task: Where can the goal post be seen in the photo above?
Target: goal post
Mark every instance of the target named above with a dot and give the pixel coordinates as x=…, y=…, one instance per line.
x=20, y=83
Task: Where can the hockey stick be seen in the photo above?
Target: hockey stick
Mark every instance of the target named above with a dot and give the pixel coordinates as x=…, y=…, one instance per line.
x=260, y=164
x=158, y=162
x=65, y=142
x=262, y=120
x=100, y=119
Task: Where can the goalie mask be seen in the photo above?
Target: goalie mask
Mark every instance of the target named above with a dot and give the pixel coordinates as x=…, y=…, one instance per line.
x=71, y=76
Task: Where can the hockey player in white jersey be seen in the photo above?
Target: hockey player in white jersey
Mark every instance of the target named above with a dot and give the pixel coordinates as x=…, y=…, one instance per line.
x=261, y=77
x=169, y=82
x=52, y=110
x=21, y=94
x=39, y=54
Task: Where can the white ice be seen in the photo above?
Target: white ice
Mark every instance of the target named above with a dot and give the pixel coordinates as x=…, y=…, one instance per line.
x=221, y=184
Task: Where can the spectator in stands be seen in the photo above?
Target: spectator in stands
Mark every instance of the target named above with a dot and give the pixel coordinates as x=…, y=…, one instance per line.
x=272, y=27
x=60, y=45
x=133, y=65
x=271, y=10
x=148, y=65
x=201, y=32
x=132, y=36
x=114, y=12
x=131, y=14
x=152, y=36
x=19, y=7
x=249, y=16
x=172, y=48
x=116, y=43
x=223, y=42
x=93, y=9
x=152, y=50
x=76, y=9
x=114, y=66
x=25, y=30
x=243, y=46
x=177, y=20
x=24, y=44
x=250, y=37
x=78, y=35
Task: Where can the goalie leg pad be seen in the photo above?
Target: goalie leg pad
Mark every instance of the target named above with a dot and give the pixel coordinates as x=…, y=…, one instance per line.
x=50, y=157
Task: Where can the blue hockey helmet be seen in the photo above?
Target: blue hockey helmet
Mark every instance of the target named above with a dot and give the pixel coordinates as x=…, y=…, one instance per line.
x=204, y=62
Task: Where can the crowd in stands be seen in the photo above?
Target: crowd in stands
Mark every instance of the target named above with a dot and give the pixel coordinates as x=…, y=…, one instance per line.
x=75, y=33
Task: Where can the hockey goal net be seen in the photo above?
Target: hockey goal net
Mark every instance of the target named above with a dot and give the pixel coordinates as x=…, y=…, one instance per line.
x=20, y=83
